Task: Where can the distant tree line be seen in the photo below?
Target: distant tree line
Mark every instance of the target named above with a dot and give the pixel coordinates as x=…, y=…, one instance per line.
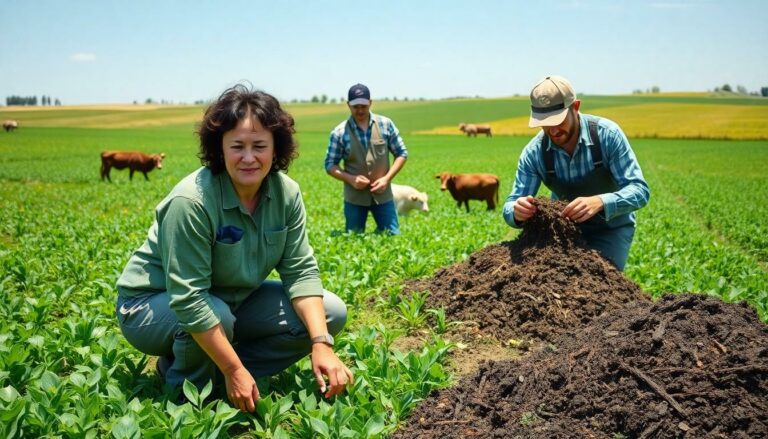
x=324, y=99
x=740, y=89
x=654, y=89
x=30, y=100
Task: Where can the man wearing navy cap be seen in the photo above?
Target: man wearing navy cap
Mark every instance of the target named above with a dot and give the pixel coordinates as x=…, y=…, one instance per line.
x=364, y=142
x=584, y=159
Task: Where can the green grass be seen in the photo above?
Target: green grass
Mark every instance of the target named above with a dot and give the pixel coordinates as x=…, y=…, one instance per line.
x=66, y=370
x=704, y=230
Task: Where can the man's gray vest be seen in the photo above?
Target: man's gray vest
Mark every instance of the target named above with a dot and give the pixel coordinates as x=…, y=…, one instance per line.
x=373, y=163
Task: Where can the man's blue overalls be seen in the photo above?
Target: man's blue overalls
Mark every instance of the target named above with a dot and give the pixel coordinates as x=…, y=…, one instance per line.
x=611, y=238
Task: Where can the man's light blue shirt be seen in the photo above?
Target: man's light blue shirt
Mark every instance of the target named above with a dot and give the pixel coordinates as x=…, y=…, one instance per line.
x=618, y=156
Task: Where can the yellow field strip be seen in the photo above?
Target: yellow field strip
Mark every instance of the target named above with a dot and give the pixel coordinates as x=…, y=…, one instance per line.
x=694, y=121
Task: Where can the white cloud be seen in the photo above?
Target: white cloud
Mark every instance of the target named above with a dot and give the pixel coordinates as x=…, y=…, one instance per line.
x=83, y=57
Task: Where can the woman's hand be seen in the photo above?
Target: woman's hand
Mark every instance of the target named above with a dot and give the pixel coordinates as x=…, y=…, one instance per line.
x=326, y=363
x=241, y=389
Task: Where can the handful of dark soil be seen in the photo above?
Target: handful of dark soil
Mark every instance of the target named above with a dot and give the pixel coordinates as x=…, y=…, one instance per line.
x=534, y=288
x=548, y=228
x=687, y=366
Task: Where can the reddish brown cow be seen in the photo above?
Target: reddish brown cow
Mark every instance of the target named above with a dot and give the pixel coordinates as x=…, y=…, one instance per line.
x=465, y=187
x=472, y=130
x=133, y=160
x=484, y=129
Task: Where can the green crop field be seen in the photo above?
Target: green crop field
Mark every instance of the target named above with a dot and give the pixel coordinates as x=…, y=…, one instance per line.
x=66, y=371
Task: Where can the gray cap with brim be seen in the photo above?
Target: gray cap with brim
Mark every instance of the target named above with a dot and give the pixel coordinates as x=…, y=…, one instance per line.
x=550, y=100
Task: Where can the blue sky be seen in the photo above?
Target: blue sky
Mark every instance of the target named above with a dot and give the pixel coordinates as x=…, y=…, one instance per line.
x=109, y=51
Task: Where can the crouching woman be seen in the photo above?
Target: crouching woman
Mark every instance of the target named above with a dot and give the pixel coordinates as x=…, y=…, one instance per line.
x=195, y=292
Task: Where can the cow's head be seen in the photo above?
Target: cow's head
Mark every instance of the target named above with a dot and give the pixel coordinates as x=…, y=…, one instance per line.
x=462, y=126
x=444, y=178
x=158, y=159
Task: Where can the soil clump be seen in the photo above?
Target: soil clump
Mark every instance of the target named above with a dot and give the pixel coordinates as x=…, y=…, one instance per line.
x=532, y=289
x=686, y=366
x=614, y=364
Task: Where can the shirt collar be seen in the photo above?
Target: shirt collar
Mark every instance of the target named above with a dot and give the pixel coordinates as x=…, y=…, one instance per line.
x=268, y=187
x=229, y=198
x=584, y=137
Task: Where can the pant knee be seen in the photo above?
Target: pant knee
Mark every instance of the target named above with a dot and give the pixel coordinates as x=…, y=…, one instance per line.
x=335, y=312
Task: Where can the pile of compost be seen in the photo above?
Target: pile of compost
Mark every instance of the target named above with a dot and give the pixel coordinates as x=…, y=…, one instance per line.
x=543, y=284
x=686, y=366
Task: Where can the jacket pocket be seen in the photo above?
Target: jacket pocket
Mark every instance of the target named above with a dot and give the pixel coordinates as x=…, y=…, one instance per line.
x=275, y=241
x=379, y=148
x=227, y=264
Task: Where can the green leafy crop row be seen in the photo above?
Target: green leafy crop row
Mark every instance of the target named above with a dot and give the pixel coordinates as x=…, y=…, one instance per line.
x=66, y=371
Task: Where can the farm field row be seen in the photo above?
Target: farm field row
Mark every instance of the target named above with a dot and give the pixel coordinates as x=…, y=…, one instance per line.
x=65, y=368
x=655, y=116
x=660, y=120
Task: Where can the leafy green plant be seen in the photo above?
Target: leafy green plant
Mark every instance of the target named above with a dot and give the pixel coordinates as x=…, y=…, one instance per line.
x=411, y=309
x=66, y=371
x=528, y=419
x=441, y=324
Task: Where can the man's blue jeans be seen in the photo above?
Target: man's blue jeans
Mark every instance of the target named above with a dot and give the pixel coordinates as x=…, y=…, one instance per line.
x=384, y=214
x=613, y=244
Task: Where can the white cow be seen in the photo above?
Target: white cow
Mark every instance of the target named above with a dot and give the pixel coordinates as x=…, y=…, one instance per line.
x=408, y=198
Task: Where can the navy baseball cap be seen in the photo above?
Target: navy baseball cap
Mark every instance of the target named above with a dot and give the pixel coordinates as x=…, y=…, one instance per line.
x=359, y=95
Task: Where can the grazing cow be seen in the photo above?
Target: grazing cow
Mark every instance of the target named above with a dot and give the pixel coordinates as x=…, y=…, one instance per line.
x=484, y=129
x=10, y=125
x=465, y=187
x=472, y=130
x=134, y=160
x=408, y=198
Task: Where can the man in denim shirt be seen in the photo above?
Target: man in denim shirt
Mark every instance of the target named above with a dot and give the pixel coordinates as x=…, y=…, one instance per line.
x=586, y=160
x=364, y=141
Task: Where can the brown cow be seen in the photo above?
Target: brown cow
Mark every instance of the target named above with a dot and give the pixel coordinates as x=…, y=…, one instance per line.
x=134, y=160
x=10, y=125
x=484, y=129
x=468, y=129
x=471, y=129
x=465, y=187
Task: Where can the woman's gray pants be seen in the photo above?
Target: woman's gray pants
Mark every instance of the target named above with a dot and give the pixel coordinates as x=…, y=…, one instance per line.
x=264, y=330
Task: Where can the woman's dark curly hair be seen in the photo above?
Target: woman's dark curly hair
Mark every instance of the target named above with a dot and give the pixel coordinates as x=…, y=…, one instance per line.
x=231, y=107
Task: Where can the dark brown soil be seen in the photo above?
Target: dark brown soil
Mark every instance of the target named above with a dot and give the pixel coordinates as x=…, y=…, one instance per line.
x=541, y=285
x=687, y=366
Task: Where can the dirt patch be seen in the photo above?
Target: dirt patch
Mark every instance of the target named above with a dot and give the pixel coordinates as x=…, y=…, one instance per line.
x=535, y=288
x=687, y=366
x=466, y=359
x=613, y=364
